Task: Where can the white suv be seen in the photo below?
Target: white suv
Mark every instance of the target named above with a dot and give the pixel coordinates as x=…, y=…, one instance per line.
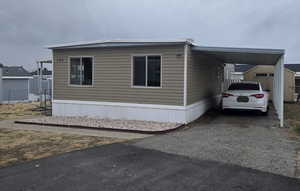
x=245, y=96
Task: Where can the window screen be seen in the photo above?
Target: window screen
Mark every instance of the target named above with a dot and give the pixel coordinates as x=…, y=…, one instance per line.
x=87, y=71
x=81, y=71
x=75, y=76
x=139, y=68
x=147, y=71
x=153, y=71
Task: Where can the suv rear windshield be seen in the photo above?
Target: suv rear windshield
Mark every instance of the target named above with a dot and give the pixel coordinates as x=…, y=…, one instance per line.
x=243, y=86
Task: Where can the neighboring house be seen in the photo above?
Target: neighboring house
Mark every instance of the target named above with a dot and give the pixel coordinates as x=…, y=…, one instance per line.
x=265, y=74
x=167, y=81
x=15, y=84
x=35, y=85
x=295, y=68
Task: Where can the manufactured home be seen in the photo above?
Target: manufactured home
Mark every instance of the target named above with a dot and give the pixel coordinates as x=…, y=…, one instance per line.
x=167, y=81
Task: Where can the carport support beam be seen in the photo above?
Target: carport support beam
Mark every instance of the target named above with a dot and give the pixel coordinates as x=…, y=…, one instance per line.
x=278, y=92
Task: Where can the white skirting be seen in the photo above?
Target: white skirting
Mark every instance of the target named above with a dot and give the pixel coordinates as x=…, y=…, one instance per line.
x=130, y=111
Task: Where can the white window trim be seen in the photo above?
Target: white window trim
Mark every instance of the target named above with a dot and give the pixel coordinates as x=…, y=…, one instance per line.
x=69, y=71
x=146, y=84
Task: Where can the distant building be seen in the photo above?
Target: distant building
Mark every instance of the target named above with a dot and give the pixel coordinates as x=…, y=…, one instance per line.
x=14, y=84
x=295, y=68
x=264, y=74
x=239, y=70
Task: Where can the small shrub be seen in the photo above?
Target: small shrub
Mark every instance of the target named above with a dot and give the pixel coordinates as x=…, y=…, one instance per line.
x=296, y=129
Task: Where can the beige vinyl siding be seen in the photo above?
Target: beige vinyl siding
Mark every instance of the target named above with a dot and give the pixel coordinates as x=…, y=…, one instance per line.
x=112, y=76
x=267, y=82
x=205, y=76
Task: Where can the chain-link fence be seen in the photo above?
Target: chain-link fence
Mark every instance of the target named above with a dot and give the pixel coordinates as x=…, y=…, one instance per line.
x=41, y=92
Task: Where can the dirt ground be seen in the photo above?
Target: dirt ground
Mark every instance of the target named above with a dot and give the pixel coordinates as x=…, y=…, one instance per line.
x=18, y=145
x=22, y=145
x=18, y=110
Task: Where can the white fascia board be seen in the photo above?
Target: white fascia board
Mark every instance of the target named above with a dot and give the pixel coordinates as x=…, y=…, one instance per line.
x=240, y=50
x=117, y=41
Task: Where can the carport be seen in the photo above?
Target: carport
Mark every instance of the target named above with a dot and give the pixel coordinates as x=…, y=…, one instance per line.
x=254, y=57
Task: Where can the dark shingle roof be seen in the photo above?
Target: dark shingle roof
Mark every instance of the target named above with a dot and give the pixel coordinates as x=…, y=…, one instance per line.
x=293, y=67
x=15, y=71
x=242, y=67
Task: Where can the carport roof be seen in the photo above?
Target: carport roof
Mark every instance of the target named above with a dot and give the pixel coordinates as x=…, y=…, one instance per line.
x=242, y=55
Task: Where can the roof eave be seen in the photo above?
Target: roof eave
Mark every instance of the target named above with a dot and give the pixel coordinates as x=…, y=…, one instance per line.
x=151, y=42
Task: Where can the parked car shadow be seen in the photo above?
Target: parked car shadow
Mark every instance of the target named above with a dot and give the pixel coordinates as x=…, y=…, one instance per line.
x=247, y=113
x=238, y=118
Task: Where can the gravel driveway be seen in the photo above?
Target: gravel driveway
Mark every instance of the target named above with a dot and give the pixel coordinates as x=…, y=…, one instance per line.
x=245, y=139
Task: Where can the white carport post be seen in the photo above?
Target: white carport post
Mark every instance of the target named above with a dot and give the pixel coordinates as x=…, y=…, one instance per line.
x=278, y=89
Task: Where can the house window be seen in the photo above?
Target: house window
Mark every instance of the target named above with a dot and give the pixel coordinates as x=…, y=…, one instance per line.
x=81, y=71
x=271, y=74
x=147, y=71
x=261, y=74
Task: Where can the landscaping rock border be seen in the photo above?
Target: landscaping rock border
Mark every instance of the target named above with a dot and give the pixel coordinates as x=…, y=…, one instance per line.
x=148, y=127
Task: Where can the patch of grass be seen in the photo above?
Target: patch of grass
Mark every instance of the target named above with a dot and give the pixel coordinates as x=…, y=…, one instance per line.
x=296, y=128
x=18, y=110
x=292, y=111
x=292, y=117
x=23, y=145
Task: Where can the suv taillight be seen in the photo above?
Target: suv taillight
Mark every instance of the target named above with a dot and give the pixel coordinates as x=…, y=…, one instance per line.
x=226, y=95
x=258, y=95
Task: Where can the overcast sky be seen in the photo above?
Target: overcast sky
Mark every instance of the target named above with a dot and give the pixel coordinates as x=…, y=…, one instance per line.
x=27, y=26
